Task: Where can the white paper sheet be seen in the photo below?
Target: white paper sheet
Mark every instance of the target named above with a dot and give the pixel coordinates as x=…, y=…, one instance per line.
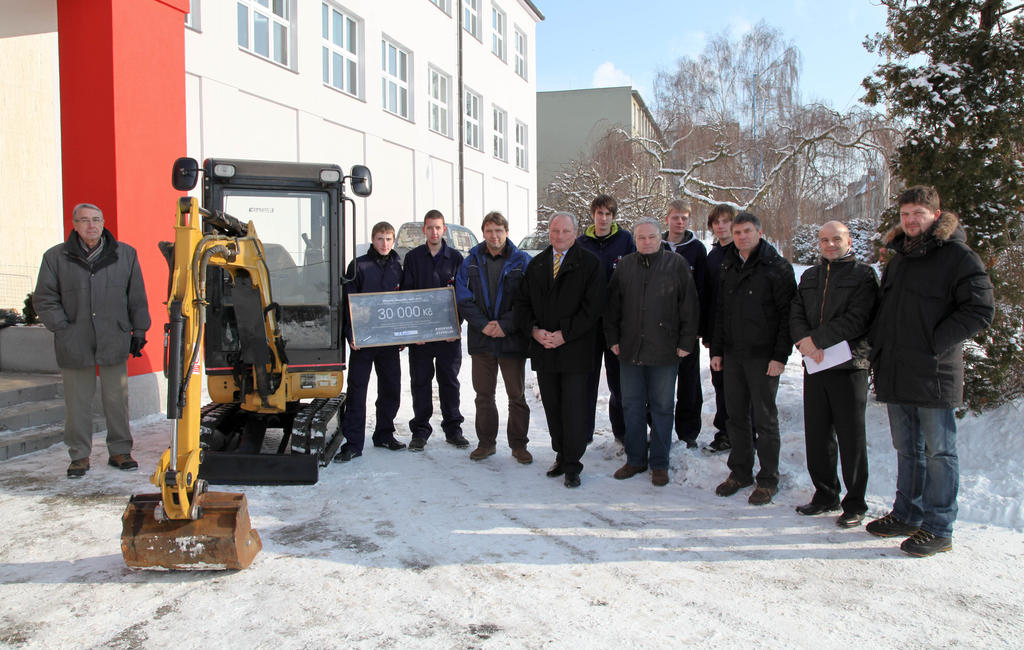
x=834, y=355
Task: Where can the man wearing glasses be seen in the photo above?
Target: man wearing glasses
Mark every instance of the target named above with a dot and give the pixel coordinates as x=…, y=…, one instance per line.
x=90, y=294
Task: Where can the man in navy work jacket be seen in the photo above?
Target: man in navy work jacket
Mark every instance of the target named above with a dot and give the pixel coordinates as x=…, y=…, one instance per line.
x=378, y=270
x=488, y=280
x=689, y=393
x=609, y=243
x=430, y=266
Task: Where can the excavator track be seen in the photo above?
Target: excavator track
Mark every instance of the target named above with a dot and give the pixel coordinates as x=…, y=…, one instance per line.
x=317, y=429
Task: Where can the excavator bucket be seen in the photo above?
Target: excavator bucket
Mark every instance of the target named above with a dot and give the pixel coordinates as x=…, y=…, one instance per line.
x=221, y=538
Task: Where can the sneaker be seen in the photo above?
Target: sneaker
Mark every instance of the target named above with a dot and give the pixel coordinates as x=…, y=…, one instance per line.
x=731, y=486
x=717, y=445
x=481, y=453
x=850, y=519
x=761, y=496
x=523, y=456
x=629, y=471
x=890, y=526
x=458, y=440
x=922, y=544
x=78, y=468
x=123, y=462
x=417, y=444
x=659, y=477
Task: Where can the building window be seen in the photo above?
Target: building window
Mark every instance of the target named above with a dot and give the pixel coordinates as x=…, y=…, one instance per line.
x=439, y=101
x=193, y=17
x=394, y=83
x=521, y=161
x=498, y=22
x=443, y=5
x=473, y=120
x=500, y=129
x=340, y=47
x=520, y=42
x=263, y=28
x=471, y=17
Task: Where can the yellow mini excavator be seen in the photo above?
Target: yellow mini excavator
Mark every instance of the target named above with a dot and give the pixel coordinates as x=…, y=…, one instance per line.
x=265, y=309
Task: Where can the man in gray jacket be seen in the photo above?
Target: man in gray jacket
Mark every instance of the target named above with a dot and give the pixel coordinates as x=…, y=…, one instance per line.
x=651, y=322
x=90, y=294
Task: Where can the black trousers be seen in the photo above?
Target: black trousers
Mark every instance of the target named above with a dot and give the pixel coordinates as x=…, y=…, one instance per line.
x=565, y=409
x=383, y=360
x=718, y=381
x=834, y=403
x=749, y=388
x=445, y=359
x=611, y=375
x=689, y=397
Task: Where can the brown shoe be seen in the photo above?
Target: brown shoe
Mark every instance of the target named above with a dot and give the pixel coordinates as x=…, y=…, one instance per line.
x=481, y=453
x=629, y=471
x=123, y=462
x=761, y=496
x=78, y=468
x=659, y=477
x=731, y=486
x=523, y=456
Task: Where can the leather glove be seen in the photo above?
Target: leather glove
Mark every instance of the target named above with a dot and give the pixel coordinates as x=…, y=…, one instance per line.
x=136, y=346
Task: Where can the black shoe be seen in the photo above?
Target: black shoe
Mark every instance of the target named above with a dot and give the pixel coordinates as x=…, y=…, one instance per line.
x=458, y=440
x=572, y=480
x=717, y=445
x=346, y=454
x=890, y=526
x=922, y=544
x=691, y=444
x=850, y=519
x=555, y=470
x=417, y=444
x=813, y=508
x=393, y=445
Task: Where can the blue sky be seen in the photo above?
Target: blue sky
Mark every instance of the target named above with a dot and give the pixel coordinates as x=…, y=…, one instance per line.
x=592, y=43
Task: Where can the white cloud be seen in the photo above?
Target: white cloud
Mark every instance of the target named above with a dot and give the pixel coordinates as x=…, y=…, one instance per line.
x=608, y=75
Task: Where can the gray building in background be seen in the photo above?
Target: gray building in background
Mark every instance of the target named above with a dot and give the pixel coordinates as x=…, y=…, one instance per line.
x=571, y=122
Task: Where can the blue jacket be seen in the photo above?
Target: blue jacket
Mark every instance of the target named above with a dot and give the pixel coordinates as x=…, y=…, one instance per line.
x=479, y=308
x=609, y=249
x=424, y=271
x=373, y=273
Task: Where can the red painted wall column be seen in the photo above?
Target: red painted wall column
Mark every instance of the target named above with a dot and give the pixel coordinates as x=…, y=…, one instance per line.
x=122, y=116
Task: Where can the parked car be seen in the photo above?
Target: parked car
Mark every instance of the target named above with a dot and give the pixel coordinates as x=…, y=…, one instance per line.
x=410, y=235
x=533, y=244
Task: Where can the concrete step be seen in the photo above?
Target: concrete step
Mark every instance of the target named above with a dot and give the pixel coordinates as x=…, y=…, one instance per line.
x=18, y=388
x=25, y=441
x=32, y=414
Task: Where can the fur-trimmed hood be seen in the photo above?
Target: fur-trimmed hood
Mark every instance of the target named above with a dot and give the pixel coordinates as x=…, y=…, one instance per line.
x=946, y=228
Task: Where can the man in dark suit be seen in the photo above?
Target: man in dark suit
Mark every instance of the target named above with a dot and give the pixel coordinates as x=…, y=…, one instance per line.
x=559, y=303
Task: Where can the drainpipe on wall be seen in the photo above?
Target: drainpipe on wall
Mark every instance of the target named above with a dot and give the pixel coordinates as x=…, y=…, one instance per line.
x=462, y=118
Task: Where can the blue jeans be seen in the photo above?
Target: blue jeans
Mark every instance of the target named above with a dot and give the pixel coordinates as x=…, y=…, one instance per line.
x=928, y=470
x=643, y=387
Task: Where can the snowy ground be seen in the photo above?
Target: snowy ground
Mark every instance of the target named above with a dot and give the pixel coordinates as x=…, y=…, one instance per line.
x=430, y=550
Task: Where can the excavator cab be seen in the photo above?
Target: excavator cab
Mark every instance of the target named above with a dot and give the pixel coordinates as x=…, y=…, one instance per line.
x=256, y=296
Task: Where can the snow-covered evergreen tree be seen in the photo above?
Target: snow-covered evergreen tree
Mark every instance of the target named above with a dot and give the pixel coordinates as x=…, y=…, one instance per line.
x=955, y=76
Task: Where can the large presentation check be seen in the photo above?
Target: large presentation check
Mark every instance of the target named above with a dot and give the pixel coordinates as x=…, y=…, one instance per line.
x=403, y=317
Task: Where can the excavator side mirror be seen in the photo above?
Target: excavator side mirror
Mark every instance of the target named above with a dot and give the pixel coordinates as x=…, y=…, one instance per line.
x=184, y=174
x=362, y=182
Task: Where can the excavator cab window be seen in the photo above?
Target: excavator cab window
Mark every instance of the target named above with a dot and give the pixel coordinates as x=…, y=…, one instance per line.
x=295, y=230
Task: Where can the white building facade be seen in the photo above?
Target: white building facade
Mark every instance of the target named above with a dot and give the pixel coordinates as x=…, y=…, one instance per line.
x=376, y=82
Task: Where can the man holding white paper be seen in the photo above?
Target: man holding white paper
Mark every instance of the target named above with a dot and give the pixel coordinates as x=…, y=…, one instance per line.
x=829, y=319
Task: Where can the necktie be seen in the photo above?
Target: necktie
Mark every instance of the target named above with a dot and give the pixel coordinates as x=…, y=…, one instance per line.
x=557, y=264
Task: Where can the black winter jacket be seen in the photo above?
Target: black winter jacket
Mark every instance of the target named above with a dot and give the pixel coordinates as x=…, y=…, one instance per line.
x=835, y=301
x=371, y=273
x=573, y=302
x=652, y=309
x=932, y=300
x=752, y=318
